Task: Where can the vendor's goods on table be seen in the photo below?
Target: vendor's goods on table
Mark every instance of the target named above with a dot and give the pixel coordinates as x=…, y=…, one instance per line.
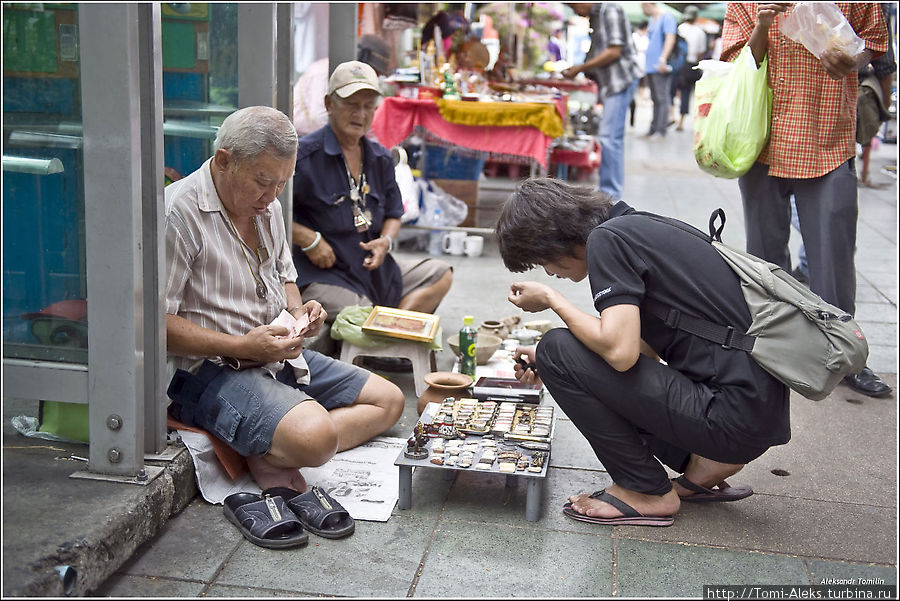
x=504, y=437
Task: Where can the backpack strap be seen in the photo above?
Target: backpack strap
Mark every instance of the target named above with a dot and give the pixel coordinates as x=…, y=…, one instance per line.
x=715, y=233
x=727, y=336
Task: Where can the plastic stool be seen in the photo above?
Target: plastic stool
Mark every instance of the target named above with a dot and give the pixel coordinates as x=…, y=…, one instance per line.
x=419, y=353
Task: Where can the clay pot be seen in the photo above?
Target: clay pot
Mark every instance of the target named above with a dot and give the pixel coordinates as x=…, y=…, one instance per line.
x=494, y=328
x=443, y=385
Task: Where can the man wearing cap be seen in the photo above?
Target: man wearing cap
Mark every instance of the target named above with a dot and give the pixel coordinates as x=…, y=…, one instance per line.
x=309, y=91
x=347, y=210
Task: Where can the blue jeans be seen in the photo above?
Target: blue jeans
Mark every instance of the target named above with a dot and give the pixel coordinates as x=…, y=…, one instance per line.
x=612, y=140
x=661, y=95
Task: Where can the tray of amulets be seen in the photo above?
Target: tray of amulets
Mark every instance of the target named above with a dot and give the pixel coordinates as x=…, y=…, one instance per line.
x=485, y=436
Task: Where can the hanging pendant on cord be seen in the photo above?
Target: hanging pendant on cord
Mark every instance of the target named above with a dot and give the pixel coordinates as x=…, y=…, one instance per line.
x=261, y=290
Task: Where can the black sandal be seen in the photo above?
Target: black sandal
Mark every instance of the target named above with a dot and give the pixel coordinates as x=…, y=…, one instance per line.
x=317, y=511
x=266, y=522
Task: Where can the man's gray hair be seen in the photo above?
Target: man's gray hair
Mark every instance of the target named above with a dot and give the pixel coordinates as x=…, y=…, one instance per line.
x=251, y=131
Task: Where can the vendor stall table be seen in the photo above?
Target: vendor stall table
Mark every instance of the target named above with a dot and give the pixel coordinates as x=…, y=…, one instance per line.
x=566, y=85
x=500, y=130
x=586, y=158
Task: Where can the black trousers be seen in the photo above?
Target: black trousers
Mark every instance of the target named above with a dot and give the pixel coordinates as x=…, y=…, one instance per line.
x=635, y=419
x=828, y=210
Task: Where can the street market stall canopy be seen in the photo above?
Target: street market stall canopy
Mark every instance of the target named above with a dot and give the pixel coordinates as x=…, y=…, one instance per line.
x=714, y=11
x=636, y=15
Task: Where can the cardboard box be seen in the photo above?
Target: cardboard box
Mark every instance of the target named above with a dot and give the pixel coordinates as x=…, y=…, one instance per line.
x=467, y=191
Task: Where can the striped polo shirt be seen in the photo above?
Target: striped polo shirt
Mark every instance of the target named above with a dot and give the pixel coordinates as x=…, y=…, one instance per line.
x=209, y=281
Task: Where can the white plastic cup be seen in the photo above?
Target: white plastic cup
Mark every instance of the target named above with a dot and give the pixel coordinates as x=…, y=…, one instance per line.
x=473, y=246
x=452, y=242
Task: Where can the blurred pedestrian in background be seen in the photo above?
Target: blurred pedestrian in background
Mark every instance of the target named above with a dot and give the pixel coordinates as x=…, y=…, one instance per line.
x=687, y=76
x=661, y=31
x=613, y=59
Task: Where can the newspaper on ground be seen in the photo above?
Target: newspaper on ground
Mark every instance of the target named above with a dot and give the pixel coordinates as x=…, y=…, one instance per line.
x=363, y=479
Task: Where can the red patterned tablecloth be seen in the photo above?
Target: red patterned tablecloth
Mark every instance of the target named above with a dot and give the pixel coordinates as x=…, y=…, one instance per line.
x=397, y=117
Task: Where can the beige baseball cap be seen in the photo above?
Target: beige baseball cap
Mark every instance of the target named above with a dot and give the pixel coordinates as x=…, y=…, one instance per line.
x=351, y=77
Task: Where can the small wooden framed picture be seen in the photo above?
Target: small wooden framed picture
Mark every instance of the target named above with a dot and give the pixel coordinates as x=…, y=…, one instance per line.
x=398, y=323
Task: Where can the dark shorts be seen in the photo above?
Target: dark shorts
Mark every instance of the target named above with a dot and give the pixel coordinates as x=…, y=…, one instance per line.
x=243, y=407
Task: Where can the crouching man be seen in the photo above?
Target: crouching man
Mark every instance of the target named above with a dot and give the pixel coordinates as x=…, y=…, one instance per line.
x=705, y=412
x=230, y=274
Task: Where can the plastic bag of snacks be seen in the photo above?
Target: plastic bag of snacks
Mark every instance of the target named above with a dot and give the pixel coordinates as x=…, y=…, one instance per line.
x=822, y=25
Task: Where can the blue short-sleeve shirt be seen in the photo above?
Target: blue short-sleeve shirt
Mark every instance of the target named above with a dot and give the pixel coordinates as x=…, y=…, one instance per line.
x=322, y=203
x=659, y=27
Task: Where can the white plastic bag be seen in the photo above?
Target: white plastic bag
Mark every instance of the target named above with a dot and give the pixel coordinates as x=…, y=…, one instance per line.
x=713, y=69
x=452, y=210
x=822, y=25
x=409, y=191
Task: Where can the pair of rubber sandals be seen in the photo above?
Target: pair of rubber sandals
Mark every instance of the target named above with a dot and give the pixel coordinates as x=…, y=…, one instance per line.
x=279, y=517
x=631, y=517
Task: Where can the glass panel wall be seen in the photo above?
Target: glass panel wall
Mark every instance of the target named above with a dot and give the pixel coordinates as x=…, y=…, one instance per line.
x=200, y=83
x=44, y=284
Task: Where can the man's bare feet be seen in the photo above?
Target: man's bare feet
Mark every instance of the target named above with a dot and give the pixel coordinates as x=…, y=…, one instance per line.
x=268, y=476
x=647, y=505
x=706, y=473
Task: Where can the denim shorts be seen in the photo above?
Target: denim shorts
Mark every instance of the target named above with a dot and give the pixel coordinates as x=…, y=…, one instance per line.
x=243, y=407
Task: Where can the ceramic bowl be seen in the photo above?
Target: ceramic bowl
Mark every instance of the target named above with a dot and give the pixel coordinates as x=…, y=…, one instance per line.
x=525, y=336
x=485, y=346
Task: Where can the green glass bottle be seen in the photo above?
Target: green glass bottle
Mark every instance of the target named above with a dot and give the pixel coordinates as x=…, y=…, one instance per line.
x=467, y=340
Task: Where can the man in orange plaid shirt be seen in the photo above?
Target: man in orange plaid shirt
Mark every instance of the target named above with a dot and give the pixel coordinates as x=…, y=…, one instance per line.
x=811, y=151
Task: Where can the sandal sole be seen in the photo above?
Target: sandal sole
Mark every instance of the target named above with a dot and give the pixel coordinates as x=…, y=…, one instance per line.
x=661, y=521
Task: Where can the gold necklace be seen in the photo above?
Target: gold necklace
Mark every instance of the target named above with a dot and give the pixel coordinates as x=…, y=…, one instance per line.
x=257, y=277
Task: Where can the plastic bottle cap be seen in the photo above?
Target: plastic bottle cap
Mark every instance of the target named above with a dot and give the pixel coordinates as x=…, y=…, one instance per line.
x=468, y=320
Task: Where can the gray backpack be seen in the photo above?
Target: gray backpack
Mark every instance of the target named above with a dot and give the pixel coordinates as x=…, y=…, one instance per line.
x=806, y=343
